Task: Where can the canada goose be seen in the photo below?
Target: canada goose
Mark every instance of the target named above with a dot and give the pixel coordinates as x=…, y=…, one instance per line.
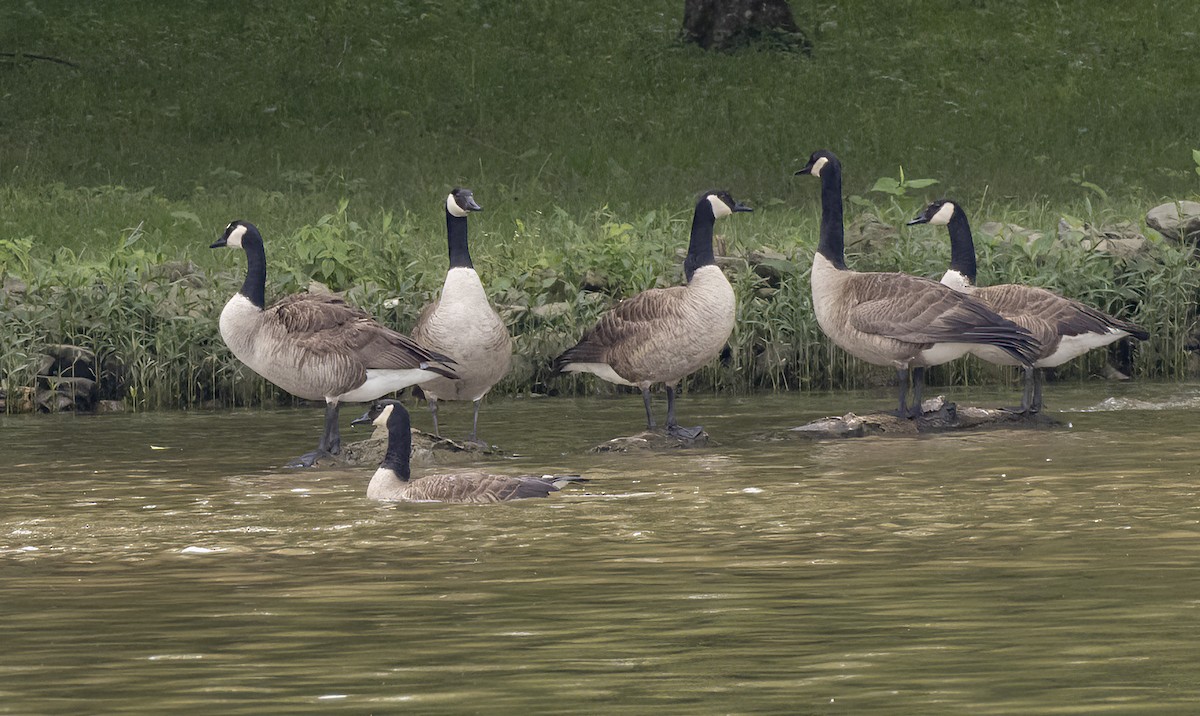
x=893, y=318
x=316, y=346
x=664, y=334
x=1064, y=328
x=462, y=324
x=392, y=480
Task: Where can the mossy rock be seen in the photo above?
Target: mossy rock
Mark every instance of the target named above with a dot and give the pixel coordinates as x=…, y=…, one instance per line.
x=937, y=416
x=651, y=440
x=425, y=449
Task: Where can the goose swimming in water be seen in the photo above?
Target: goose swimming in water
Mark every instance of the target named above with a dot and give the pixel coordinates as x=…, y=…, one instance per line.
x=1064, y=328
x=664, y=334
x=317, y=346
x=894, y=319
x=392, y=481
x=462, y=323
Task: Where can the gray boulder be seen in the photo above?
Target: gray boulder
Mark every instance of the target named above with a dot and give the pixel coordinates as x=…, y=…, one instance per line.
x=1176, y=220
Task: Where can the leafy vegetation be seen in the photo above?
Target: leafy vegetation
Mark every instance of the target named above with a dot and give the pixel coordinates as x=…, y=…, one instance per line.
x=338, y=128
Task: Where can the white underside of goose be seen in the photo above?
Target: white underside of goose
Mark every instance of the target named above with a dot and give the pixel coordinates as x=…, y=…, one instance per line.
x=827, y=282
x=1069, y=347
x=602, y=370
x=381, y=381
x=1074, y=346
x=466, y=328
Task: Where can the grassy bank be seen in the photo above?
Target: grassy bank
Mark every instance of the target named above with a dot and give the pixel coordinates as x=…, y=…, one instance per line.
x=153, y=309
x=586, y=131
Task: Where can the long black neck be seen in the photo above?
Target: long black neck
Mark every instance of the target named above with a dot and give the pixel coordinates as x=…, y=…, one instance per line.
x=833, y=243
x=255, y=285
x=700, y=248
x=962, y=246
x=456, y=236
x=399, y=447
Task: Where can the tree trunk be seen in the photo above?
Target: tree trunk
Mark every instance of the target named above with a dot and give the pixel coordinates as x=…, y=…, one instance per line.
x=729, y=24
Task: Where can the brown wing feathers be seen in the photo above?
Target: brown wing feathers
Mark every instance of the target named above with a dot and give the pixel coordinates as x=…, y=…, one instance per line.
x=326, y=324
x=917, y=310
x=634, y=316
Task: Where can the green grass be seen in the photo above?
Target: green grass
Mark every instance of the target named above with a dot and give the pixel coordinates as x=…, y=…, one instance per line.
x=586, y=130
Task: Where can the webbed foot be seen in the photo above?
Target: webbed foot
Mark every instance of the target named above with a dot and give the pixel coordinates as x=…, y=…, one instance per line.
x=682, y=433
x=308, y=459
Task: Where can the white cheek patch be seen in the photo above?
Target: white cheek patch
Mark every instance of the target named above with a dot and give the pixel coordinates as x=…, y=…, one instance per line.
x=819, y=165
x=957, y=281
x=942, y=217
x=719, y=208
x=383, y=416
x=453, y=207
x=235, y=237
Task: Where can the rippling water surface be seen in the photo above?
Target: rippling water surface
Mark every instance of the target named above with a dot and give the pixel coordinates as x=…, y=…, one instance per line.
x=165, y=563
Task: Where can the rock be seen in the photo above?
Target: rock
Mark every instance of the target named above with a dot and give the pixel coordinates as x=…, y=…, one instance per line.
x=1111, y=372
x=51, y=401
x=22, y=400
x=1121, y=240
x=14, y=286
x=551, y=311
x=66, y=379
x=868, y=233
x=75, y=387
x=110, y=406
x=1010, y=232
x=938, y=416
x=172, y=271
x=594, y=281
x=731, y=265
x=67, y=359
x=1176, y=220
x=655, y=440
x=772, y=265
x=426, y=446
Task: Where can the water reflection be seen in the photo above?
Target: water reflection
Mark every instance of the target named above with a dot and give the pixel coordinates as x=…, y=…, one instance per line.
x=1005, y=572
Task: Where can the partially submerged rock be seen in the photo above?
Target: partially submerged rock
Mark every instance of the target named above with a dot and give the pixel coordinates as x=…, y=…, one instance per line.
x=938, y=416
x=652, y=440
x=425, y=447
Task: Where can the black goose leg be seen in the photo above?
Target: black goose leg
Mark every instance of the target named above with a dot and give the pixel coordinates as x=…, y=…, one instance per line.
x=1027, y=392
x=331, y=440
x=918, y=388
x=673, y=428
x=474, y=422
x=433, y=411
x=649, y=414
x=902, y=379
x=1038, y=380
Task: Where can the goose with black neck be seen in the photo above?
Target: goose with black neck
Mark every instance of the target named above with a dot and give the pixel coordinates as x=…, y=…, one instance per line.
x=664, y=334
x=317, y=347
x=1064, y=328
x=462, y=323
x=393, y=481
x=894, y=319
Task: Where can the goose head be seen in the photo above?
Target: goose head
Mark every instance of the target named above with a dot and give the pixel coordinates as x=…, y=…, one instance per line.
x=722, y=203
x=938, y=213
x=461, y=202
x=236, y=235
x=819, y=161
x=389, y=413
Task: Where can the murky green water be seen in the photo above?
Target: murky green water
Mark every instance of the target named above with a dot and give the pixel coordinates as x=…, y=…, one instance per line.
x=1007, y=572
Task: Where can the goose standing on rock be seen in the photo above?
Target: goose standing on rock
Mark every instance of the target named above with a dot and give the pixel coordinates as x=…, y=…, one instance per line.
x=392, y=481
x=317, y=347
x=462, y=324
x=1064, y=328
x=894, y=319
x=664, y=334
